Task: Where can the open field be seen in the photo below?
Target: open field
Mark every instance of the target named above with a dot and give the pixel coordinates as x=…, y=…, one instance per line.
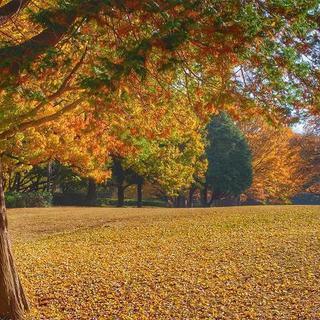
x=224, y=263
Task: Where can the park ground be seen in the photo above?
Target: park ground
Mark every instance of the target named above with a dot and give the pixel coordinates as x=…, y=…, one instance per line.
x=217, y=263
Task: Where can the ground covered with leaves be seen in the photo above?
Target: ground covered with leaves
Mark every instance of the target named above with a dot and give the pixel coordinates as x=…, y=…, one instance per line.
x=227, y=263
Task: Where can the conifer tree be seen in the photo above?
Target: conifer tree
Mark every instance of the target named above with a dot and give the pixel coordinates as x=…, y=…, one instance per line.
x=229, y=170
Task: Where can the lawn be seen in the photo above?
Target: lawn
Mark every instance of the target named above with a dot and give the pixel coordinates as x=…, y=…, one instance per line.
x=223, y=263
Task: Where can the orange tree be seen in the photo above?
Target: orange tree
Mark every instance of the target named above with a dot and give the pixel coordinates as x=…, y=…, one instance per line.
x=62, y=58
x=278, y=166
x=309, y=143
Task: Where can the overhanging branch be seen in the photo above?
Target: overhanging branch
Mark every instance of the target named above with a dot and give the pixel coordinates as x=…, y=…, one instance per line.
x=38, y=122
x=64, y=85
x=11, y=8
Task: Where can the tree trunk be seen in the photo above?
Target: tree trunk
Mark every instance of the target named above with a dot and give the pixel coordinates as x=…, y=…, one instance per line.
x=49, y=176
x=17, y=182
x=190, y=201
x=13, y=302
x=204, y=196
x=181, y=201
x=92, y=192
x=177, y=201
x=120, y=196
x=139, y=195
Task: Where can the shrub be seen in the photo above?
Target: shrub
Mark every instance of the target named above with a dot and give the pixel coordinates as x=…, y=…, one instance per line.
x=15, y=200
x=69, y=199
x=28, y=199
x=38, y=199
x=132, y=202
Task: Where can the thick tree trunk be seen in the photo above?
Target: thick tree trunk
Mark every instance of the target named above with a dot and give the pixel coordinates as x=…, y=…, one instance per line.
x=120, y=196
x=92, y=192
x=13, y=302
x=139, y=195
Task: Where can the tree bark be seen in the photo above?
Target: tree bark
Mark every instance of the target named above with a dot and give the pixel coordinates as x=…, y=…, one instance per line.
x=120, y=196
x=139, y=195
x=13, y=302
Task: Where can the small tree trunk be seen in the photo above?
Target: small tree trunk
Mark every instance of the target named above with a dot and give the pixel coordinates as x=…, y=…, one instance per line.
x=139, y=195
x=178, y=201
x=49, y=176
x=204, y=196
x=13, y=302
x=183, y=201
x=191, y=193
x=120, y=196
x=92, y=192
x=17, y=182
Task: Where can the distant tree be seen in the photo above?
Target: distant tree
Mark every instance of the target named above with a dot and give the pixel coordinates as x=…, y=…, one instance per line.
x=229, y=170
x=279, y=170
x=309, y=146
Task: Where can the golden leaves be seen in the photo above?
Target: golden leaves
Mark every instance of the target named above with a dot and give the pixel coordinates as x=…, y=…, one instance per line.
x=277, y=162
x=227, y=263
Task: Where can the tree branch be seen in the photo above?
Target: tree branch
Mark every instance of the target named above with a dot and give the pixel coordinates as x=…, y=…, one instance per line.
x=11, y=8
x=38, y=122
x=56, y=94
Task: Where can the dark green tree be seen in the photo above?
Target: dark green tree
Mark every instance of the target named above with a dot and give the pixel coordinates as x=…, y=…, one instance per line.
x=229, y=170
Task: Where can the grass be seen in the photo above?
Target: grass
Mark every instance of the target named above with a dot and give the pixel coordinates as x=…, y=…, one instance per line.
x=224, y=263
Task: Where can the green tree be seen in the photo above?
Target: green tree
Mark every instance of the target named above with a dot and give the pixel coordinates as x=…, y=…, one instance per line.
x=229, y=170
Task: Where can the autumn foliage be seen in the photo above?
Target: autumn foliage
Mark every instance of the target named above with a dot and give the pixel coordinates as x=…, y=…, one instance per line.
x=278, y=166
x=232, y=263
x=83, y=81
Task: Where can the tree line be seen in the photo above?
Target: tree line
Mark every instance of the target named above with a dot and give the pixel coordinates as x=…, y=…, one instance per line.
x=252, y=160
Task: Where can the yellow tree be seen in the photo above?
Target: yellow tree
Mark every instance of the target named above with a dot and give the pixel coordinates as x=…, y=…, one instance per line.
x=309, y=143
x=276, y=161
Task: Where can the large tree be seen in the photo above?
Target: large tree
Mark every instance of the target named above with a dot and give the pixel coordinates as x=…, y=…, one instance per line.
x=64, y=58
x=229, y=170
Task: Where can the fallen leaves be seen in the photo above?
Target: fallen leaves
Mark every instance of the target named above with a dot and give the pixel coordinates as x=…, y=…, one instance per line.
x=235, y=263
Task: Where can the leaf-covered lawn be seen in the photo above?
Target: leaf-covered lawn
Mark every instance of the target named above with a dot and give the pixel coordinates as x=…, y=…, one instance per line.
x=228, y=263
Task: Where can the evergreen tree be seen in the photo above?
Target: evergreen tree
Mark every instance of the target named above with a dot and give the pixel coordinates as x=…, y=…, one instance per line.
x=229, y=170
